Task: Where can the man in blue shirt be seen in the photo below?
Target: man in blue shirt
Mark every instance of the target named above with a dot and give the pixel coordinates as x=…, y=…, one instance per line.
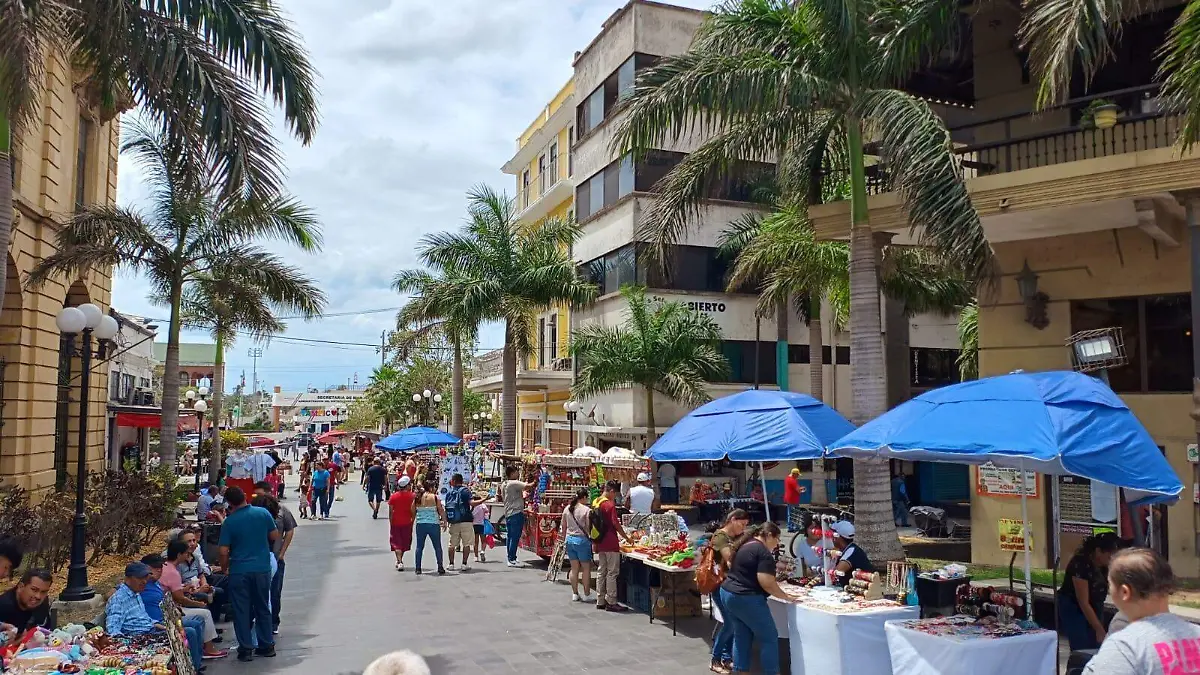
x=246, y=538
x=151, y=597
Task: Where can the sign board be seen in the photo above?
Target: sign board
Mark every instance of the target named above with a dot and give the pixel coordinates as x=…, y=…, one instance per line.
x=994, y=481
x=1012, y=535
x=1193, y=454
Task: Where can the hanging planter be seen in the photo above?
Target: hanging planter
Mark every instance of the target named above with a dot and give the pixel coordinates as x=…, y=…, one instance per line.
x=1100, y=114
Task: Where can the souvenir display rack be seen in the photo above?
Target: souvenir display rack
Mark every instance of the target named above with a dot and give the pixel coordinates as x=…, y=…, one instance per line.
x=985, y=601
x=556, y=480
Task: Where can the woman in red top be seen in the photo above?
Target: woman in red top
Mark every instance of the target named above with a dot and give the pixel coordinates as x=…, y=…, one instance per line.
x=400, y=512
x=791, y=496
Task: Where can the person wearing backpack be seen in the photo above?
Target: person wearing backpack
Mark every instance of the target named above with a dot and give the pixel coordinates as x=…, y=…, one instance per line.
x=606, y=528
x=460, y=503
x=576, y=527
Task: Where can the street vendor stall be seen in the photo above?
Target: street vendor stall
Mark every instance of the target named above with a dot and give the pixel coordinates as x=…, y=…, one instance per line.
x=961, y=644
x=417, y=438
x=833, y=633
x=657, y=576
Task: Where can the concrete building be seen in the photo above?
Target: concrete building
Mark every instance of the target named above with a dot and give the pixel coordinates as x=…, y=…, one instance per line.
x=612, y=196
x=132, y=408
x=65, y=159
x=314, y=412
x=197, y=361
x=1088, y=225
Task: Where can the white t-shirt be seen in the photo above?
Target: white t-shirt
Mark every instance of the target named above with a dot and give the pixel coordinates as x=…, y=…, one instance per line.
x=641, y=499
x=666, y=476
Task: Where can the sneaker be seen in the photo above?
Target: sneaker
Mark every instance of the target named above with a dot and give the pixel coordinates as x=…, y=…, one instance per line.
x=453, y=567
x=441, y=572
x=214, y=655
x=601, y=606
x=466, y=566
x=575, y=597
x=245, y=655
x=267, y=652
x=275, y=630
x=417, y=571
x=482, y=558
x=588, y=598
x=511, y=563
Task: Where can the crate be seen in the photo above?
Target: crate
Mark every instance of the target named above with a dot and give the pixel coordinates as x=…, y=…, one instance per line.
x=686, y=604
x=938, y=592
x=637, y=598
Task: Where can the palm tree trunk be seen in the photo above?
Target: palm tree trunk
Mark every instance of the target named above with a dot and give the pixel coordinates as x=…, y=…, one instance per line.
x=168, y=431
x=816, y=351
x=651, y=427
x=508, y=393
x=875, y=529
x=6, y=196
x=781, y=345
x=456, y=392
x=215, y=460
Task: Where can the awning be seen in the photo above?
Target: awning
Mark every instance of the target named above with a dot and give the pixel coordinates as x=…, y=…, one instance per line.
x=143, y=420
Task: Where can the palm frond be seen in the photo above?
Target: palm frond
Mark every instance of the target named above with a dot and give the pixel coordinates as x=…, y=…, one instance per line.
x=923, y=281
x=30, y=33
x=240, y=220
x=1061, y=35
x=968, y=342
x=282, y=285
x=1180, y=72
x=919, y=158
x=907, y=35
x=103, y=236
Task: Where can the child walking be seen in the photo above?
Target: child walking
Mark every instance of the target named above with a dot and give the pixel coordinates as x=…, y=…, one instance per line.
x=306, y=495
x=478, y=515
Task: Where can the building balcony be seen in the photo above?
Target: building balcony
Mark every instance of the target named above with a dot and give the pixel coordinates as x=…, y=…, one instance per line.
x=488, y=376
x=1043, y=174
x=545, y=193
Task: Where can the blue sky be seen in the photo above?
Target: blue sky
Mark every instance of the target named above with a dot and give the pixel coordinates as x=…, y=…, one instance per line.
x=419, y=101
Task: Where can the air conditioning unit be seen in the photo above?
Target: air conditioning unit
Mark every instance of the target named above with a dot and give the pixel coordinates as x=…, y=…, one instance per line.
x=143, y=397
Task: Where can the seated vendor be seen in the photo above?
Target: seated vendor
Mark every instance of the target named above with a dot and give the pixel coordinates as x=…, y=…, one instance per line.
x=26, y=605
x=1083, y=591
x=852, y=557
x=125, y=613
x=806, y=550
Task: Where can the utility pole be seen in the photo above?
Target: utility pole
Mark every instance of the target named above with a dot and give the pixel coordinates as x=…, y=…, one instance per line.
x=383, y=348
x=256, y=354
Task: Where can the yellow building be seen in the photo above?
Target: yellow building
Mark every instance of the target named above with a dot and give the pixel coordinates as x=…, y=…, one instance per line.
x=543, y=170
x=1089, y=225
x=67, y=158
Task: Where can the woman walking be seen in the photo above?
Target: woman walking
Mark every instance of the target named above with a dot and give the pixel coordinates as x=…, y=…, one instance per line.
x=400, y=518
x=575, y=527
x=750, y=580
x=320, y=486
x=430, y=518
x=722, y=546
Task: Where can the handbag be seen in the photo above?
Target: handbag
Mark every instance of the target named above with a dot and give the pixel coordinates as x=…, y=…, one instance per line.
x=709, y=575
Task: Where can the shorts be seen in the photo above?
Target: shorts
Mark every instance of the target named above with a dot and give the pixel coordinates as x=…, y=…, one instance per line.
x=478, y=529
x=462, y=535
x=374, y=494
x=579, y=548
x=401, y=537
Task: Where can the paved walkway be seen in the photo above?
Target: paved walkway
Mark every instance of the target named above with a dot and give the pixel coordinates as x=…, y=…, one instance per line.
x=344, y=604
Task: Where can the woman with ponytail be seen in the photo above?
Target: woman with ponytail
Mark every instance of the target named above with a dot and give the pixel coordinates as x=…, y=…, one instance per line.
x=575, y=528
x=744, y=594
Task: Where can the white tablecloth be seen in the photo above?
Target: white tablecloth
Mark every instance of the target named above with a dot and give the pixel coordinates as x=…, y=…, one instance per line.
x=917, y=653
x=829, y=643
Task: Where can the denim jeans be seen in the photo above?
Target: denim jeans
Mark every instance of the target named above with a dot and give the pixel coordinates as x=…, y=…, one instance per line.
x=513, y=525
x=321, y=499
x=722, y=649
x=434, y=533
x=193, y=628
x=751, y=620
x=276, y=593
x=250, y=596
x=900, y=513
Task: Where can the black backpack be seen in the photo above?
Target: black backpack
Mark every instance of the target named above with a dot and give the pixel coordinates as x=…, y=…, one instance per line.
x=597, y=523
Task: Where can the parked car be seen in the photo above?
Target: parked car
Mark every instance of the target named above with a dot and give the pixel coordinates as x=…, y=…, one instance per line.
x=192, y=441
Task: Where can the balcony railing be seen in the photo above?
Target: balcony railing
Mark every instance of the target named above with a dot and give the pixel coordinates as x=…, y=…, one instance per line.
x=1030, y=139
x=559, y=364
x=488, y=365
x=527, y=195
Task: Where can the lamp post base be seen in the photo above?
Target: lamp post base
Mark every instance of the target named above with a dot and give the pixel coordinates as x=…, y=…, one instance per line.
x=77, y=589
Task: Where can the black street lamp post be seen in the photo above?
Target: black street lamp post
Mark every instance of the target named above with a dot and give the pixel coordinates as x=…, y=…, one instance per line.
x=572, y=407
x=201, y=407
x=424, y=402
x=86, y=320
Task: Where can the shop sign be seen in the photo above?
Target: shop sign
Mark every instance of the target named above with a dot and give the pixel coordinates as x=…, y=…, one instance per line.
x=1193, y=453
x=995, y=481
x=697, y=305
x=1012, y=535
x=1075, y=528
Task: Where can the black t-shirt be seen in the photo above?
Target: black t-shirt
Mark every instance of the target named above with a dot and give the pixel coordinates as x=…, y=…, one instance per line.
x=751, y=559
x=1080, y=567
x=376, y=476
x=11, y=613
x=858, y=561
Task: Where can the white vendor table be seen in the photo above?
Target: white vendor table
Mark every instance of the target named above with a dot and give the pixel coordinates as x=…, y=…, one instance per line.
x=825, y=642
x=916, y=653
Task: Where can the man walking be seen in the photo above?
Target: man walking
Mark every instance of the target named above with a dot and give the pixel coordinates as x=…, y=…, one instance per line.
x=246, y=537
x=608, y=549
x=668, y=491
x=376, y=478
x=514, y=514
x=459, y=505
x=792, y=489
x=899, y=500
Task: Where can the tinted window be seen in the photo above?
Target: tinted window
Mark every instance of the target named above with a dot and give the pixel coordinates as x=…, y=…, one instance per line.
x=1169, y=343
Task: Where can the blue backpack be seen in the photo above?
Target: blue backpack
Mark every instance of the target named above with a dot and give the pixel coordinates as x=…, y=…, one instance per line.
x=458, y=505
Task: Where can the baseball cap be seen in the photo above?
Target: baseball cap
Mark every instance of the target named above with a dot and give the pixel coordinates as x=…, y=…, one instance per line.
x=843, y=529
x=404, y=481
x=643, y=477
x=137, y=570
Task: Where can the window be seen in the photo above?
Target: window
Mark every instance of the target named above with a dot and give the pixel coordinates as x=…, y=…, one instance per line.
x=798, y=353
x=570, y=151
x=81, y=163
x=553, y=163
x=525, y=188
x=543, y=176
x=114, y=388
x=688, y=268
x=541, y=343
x=741, y=357
x=613, y=270
x=934, y=367
x=1157, y=334
x=605, y=188
x=552, y=338
x=600, y=103
x=741, y=183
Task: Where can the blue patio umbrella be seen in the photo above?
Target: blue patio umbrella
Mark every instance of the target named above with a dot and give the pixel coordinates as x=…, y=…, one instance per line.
x=1053, y=423
x=753, y=426
x=417, y=438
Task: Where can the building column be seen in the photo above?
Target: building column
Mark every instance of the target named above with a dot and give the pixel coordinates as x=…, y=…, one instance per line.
x=1191, y=203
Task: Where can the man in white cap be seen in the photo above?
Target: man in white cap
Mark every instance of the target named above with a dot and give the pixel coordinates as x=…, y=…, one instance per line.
x=641, y=497
x=853, y=558
x=400, y=517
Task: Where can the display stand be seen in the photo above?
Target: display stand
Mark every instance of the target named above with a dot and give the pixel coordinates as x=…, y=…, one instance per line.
x=828, y=642
x=173, y=621
x=917, y=651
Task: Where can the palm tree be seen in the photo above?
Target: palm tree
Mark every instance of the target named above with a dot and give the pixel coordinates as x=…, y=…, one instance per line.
x=227, y=302
x=664, y=348
x=387, y=395
x=510, y=272
x=197, y=71
x=192, y=228
x=804, y=83
x=438, y=307
x=968, y=342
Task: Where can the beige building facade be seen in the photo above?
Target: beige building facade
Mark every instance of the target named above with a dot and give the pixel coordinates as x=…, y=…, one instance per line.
x=1092, y=222
x=65, y=159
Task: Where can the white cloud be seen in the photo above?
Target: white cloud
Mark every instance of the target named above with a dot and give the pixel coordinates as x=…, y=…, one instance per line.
x=419, y=101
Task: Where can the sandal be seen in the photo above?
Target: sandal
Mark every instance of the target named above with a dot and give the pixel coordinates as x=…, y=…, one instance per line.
x=717, y=667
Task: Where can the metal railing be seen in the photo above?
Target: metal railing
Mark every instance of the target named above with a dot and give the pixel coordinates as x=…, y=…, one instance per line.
x=561, y=170
x=490, y=364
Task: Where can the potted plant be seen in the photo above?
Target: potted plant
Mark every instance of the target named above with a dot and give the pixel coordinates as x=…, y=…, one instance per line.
x=1101, y=113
